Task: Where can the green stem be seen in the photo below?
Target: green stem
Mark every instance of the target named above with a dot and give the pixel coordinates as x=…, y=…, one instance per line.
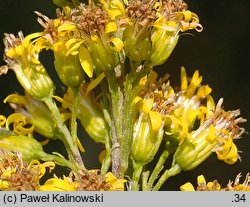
x=73, y=124
x=74, y=154
x=107, y=160
x=128, y=124
x=158, y=168
x=115, y=122
x=136, y=176
x=61, y=161
x=174, y=170
x=145, y=176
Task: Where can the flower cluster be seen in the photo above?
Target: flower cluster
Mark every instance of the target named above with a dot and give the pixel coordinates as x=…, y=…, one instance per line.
x=215, y=186
x=16, y=175
x=105, y=55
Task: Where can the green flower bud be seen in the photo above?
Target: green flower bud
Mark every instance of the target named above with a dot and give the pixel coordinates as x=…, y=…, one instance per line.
x=90, y=115
x=163, y=44
x=92, y=119
x=104, y=57
x=147, y=137
x=195, y=150
x=27, y=146
x=137, y=46
x=68, y=66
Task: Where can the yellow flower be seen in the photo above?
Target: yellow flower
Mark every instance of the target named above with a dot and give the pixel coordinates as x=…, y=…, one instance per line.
x=215, y=186
x=190, y=98
x=35, y=112
x=147, y=134
x=115, y=8
x=89, y=113
x=15, y=174
x=18, y=124
x=58, y=184
x=116, y=184
x=214, y=134
x=237, y=186
x=68, y=66
x=152, y=29
x=85, y=36
x=22, y=58
x=92, y=181
x=202, y=185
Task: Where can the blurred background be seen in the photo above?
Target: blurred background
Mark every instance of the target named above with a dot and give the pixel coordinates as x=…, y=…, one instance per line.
x=221, y=52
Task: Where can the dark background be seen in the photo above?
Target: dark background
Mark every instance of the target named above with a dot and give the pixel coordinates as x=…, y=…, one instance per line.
x=220, y=52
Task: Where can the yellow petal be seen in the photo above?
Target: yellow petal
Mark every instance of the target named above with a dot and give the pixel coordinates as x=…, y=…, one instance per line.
x=187, y=187
x=57, y=46
x=156, y=120
x=79, y=144
x=187, y=15
x=210, y=105
x=201, y=179
x=73, y=45
x=58, y=98
x=102, y=156
x=118, y=43
x=203, y=92
x=11, y=53
x=137, y=99
x=66, y=27
x=212, y=134
x=56, y=184
x=233, y=153
x=110, y=27
x=19, y=50
x=184, y=82
x=86, y=61
x=14, y=98
x=147, y=105
x=28, y=38
x=95, y=82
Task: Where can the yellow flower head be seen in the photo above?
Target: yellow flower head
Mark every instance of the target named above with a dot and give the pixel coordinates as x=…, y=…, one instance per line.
x=152, y=28
x=58, y=184
x=84, y=181
x=214, y=134
x=93, y=181
x=237, y=186
x=22, y=57
x=17, y=175
x=202, y=185
x=18, y=124
x=215, y=186
x=89, y=113
x=36, y=113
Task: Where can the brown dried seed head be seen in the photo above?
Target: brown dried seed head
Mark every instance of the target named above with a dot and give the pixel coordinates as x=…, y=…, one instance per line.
x=23, y=180
x=92, y=19
x=141, y=11
x=90, y=181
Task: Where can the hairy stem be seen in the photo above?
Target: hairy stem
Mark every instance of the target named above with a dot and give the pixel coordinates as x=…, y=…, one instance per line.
x=158, y=168
x=136, y=177
x=74, y=154
x=174, y=170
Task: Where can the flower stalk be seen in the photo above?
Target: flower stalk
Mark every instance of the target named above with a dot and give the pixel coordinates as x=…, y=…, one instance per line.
x=72, y=148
